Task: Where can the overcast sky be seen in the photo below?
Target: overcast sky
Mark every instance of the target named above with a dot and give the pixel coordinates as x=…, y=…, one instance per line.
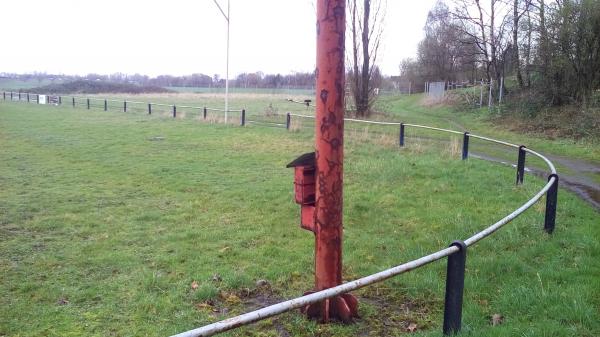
x=182, y=36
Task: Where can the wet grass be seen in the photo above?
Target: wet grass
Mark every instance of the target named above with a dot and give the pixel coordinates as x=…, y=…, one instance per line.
x=576, y=161
x=117, y=224
x=234, y=90
x=255, y=103
x=482, y=121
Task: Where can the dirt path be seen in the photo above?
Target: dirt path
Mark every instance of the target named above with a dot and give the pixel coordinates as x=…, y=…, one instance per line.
x=578, y=179
x=578, y=176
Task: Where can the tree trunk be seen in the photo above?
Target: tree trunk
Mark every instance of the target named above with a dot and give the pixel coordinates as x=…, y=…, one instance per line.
x=355, y=78
x=545, y=56
x=366, y=28
x=544, y=38
x=485, y=42
x=494, y=47
x=528, y=54
x=516, y=57
x=363, y=107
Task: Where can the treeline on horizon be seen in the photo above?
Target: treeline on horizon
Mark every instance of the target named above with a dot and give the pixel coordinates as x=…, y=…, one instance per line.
x=248, y=80
x=296, y=80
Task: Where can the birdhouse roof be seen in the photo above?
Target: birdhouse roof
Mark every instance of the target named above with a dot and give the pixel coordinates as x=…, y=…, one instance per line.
x=307, y=159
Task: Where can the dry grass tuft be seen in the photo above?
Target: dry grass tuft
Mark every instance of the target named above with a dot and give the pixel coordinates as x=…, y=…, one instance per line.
x=220, y=119
x=296, y=125
x=453, y=149
x=416, y=146
x=386, y=140
x=215, y=119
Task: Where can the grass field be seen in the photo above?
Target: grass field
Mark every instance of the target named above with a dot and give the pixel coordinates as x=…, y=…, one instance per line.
x=410, y=109
x=233, y=90
x=116, y=224
x=257, y=105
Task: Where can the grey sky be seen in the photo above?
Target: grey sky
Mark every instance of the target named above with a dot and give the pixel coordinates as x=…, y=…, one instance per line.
x=182, y=36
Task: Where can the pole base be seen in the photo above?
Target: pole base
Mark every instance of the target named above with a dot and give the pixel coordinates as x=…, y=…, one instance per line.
x=343, y=308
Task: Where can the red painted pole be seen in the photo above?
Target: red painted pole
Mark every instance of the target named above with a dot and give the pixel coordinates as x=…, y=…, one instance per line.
x=329, y=141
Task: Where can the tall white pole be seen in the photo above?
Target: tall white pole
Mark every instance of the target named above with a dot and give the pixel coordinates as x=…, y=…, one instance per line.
x=226, y=16
x=227, y=69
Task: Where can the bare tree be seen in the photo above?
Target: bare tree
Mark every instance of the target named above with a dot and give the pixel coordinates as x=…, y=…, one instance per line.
x=486, y=28
x=556, y=41
x=515, y=32
x=366, y=28
x=445, y=53
x=528, y=44
x=470, y=20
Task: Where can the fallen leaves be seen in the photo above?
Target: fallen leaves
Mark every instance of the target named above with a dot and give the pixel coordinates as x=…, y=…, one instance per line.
x=204, y=305
x=230, y=298
x=208, y=305
x=497, y=319
x=262, y=284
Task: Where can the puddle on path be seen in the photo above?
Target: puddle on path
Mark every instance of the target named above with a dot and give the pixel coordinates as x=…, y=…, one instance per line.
x=578, y=176
x=577, y=181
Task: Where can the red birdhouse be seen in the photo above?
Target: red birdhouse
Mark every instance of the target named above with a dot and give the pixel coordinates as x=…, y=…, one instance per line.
x=305, y=188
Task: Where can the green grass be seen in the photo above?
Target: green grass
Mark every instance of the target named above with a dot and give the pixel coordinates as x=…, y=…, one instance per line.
x=255, y=104
x=233, y=90
x=411, y=109
x=104, y=227
x=580, y=153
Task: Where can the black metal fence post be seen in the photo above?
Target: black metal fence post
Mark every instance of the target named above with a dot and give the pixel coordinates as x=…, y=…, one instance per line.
x=288, y=121
x=37, y=98
x=4, y=95
x=88, y=103
x=124, y=106
x=73, y=98
x=19, y=96
x=401, y=139
x=149, y=109
x=551, y=199
x=27, y=97
x=243, y=122
x=204, y=112
x=465, y=149
x=59, y=100
x=521, y=165
x=455, y=284
x=11, y=96
x=174, y=111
